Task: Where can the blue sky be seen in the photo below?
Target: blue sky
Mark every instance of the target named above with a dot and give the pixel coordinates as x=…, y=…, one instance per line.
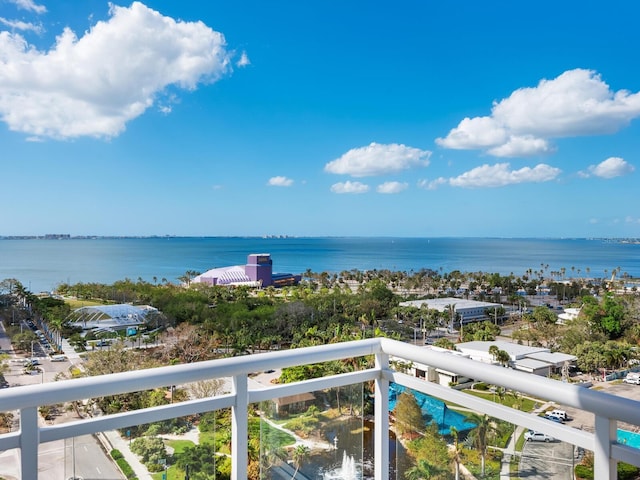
x=320, y=118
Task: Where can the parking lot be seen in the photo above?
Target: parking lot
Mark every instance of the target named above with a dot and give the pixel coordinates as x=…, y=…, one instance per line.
x=555, y=459
x=585, y=420
x=547, y=460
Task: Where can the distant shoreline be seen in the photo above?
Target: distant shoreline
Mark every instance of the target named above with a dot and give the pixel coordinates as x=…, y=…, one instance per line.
x=64, y=236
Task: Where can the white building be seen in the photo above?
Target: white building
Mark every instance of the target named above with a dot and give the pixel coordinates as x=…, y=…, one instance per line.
x=115, y=317
x=429, y=373
x=568, y=315
x=536, y=360
x=466, y=311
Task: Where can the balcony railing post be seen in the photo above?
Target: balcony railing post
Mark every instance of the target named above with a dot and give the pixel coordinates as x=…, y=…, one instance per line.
x=381, y=429
x=239, y=428
x=604, y=467
x=29, y=442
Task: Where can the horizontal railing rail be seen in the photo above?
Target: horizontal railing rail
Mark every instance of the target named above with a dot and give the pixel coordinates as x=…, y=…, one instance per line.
x=607, y=409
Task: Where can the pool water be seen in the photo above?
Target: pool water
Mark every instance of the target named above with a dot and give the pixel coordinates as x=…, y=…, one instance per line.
x=433, y=410
x=629, y=438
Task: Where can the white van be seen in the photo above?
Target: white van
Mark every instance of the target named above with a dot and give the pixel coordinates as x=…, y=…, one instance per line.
x=560, y=414
x=58, y=358
x=632, y=377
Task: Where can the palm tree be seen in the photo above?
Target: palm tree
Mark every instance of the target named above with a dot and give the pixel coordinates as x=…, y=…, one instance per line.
x=423, y=470
x=188, y=276
x=517, y=400
x=493, y=351
x=300, y=454
x=483, y=428
x=456, y=452
x=503, y=357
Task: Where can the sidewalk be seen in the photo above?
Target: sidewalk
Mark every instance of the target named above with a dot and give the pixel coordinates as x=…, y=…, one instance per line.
x=115, y=441
x=69, y=351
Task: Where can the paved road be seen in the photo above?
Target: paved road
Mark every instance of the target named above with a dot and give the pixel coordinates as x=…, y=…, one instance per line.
x=540, y=460
x=55, y=459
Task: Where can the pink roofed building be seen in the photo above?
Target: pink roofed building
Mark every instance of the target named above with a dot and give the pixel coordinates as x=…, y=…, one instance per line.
x=258, y=272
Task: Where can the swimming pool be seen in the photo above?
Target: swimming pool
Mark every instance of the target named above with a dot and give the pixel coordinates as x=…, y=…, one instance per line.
x=629, y=438
x=433, y=409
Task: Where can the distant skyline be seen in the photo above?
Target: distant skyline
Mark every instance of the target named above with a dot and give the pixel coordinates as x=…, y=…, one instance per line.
x=411, y=119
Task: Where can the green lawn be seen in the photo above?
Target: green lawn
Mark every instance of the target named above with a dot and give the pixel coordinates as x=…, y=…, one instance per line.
x=508, y=401
x=179, y=445
x=174, y=473
x=276, y=437
x=73, y=303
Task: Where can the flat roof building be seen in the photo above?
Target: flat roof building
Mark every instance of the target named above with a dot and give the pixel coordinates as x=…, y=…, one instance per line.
x=467, y=311
x=536, y=360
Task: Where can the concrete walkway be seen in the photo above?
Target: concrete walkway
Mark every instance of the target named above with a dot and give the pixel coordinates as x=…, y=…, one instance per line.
x=112, y=440
x=69, y=351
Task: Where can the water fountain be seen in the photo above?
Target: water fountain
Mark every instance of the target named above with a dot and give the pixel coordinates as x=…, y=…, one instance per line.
x=347, y=471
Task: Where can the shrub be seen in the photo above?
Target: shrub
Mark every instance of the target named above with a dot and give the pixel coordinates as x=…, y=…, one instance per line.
x=149, y=449
x=116, y=454
x=126, y=468
x=154, y=467
x=627, y=472
x=584, y=472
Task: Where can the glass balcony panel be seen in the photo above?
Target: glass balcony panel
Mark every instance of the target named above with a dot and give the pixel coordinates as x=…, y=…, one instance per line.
x=336, y=424
x=320, y=435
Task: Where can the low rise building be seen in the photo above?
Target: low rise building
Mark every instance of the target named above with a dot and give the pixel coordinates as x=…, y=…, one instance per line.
x=536, y=360
x=466, y=311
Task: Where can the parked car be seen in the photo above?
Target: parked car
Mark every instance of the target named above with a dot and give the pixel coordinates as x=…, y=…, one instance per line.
x=553, y=418
x=633, y=378
x=533, y=436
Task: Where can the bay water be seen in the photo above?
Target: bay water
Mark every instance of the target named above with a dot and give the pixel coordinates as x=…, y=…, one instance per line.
x=42, y=264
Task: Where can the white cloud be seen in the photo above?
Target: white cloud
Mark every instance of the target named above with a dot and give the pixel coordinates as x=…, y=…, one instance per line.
x=23, y=26
x=575, y=103
x=94, y=85
x=378, y=159
x=280, y=182
x=523, y=146
x=243, y=61
x=609, y=168
x=29, y=5
x=500, y=174
x=630, y=219
x=471, y=133
x=432, y=184
x=391, y=187
x=349, y=187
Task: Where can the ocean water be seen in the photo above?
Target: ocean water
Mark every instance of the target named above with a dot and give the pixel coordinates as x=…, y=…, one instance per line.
x=42, y=264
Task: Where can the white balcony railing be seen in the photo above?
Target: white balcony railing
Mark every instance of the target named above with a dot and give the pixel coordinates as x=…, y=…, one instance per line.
x=607, y=409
